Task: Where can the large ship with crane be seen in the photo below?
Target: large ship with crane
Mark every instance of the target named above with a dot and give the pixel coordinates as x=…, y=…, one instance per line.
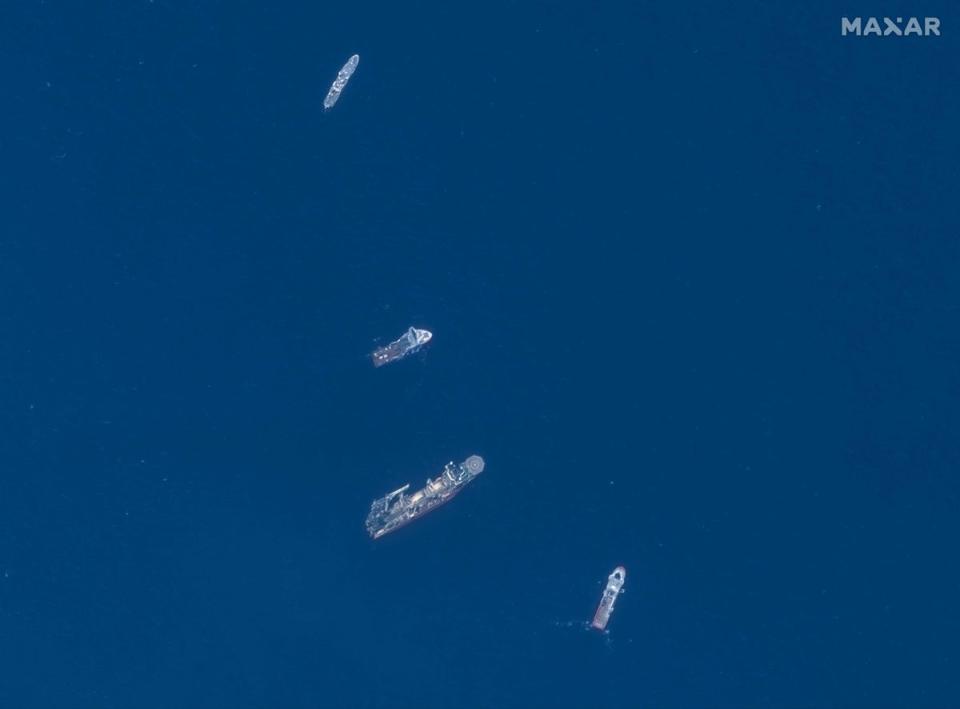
x=398, y=508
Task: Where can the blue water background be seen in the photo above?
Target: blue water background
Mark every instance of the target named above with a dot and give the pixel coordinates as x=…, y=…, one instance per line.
x=692, y=274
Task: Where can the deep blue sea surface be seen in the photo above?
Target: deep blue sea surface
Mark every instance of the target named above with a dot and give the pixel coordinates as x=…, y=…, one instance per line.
x=692, y=273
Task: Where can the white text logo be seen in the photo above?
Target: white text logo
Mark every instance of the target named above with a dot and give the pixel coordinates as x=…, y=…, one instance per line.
x=886, y=26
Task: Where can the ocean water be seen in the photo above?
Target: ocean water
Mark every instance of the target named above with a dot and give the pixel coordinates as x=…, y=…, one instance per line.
x=692, y=278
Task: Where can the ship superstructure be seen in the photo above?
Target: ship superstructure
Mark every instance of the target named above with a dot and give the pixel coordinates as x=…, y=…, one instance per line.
x=397, y=508
x=408, y=343
x=610, y=593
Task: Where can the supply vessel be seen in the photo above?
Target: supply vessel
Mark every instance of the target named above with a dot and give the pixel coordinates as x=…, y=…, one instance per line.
x=408, y=343
x=395, y=509
x=610, y=593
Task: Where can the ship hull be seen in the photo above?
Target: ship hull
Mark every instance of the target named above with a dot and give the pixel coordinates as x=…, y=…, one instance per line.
x=614, y=588
x=396, y=510
x=405, y=522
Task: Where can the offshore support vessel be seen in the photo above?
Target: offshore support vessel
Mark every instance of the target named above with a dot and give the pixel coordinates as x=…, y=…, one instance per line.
x=408, y=343
x=392, y=511
x=610, y=593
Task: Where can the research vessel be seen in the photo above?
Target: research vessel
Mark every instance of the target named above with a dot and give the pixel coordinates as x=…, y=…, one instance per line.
x=395, y=509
